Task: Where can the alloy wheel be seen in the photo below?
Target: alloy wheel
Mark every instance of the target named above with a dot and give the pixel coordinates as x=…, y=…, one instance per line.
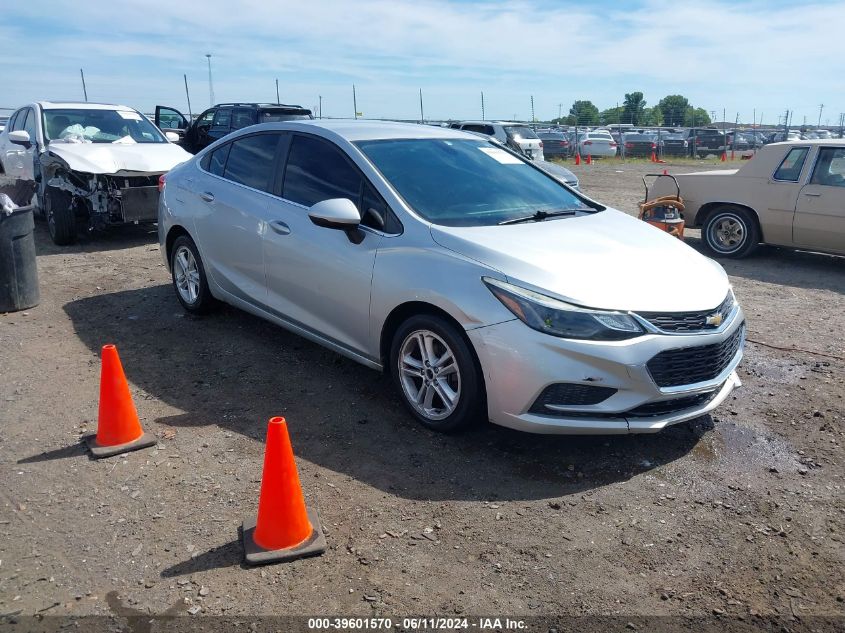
x=186, y=274
x=728, y=234
x=429, y=374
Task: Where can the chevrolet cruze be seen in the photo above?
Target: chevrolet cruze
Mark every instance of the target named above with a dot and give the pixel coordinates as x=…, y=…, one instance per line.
x=485, y=287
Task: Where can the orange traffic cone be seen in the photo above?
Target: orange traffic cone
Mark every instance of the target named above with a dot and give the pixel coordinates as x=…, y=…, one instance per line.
x=724, y=156
x=118, y=428
x=653, y=157
x=589, y=159
x=577, y=158
x=285, y=529
x=733, y=156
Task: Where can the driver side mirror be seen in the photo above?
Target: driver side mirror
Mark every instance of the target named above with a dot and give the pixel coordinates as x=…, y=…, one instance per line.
x=338, y=213
x=20, y=137
x=173, y=137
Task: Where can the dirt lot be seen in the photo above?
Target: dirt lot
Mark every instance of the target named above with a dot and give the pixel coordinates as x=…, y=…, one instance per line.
x=739, y=514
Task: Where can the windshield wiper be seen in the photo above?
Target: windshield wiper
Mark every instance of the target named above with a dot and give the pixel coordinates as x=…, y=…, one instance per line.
x=539, y=216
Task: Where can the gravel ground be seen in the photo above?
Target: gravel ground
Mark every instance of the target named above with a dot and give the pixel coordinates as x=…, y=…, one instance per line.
x=740, y=514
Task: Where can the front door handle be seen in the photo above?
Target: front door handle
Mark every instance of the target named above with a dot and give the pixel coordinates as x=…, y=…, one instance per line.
x=280, y=227
x=207, y=196
x=813, y=195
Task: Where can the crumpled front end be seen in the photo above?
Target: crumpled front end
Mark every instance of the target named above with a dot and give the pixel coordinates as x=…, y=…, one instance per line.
x=106, y=199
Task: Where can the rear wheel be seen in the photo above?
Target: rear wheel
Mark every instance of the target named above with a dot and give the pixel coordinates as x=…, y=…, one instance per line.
x=730, y=231
x=436, y=374
x=61, y=218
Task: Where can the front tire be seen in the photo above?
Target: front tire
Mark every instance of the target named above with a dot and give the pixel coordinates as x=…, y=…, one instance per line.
x=436, y=374
x=189, y=279
x=730, y=231
x=60, y=216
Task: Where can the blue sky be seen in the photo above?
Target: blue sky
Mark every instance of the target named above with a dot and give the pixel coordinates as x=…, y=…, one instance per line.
x=721, y=54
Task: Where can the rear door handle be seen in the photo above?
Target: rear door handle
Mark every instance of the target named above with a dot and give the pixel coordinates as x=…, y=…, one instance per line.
x=813, y=195
x=280, y=227
x=207, y=196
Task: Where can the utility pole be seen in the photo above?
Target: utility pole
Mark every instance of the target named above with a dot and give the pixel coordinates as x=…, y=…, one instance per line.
x=188, y=95
x=821, y=107
x=559, y=111
x=210, y=82
x=482, y=106
x=320, y=97
x=84, y=89
x=277, y=92
x=422, y=113
x=354, y=101
x=533, y=118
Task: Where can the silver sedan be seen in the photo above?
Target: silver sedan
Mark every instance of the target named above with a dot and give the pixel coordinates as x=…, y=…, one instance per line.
x=485, y=287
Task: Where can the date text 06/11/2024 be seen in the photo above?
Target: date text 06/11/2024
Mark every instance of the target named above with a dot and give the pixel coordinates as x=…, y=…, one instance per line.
x=416, y=624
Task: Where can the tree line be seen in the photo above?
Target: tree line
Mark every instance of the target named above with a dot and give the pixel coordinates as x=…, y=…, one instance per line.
x=670, y=111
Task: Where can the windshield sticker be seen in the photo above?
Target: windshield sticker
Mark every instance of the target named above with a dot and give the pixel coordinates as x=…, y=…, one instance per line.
x=129, y=116
x=501, y=156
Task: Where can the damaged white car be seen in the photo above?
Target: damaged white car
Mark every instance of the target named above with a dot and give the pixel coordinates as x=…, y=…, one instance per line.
x=95, y=165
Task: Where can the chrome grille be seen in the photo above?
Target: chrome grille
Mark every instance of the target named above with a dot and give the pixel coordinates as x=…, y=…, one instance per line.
x=686, y=322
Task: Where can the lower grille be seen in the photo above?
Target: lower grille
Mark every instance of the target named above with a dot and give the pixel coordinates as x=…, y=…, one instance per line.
x=570, y=394
x=690, y=365
x=665, y=407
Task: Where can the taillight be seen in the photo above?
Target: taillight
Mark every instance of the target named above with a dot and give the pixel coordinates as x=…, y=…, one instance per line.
x=161, y=180
x=653, y=145
x=613, y=144
x=629, y=145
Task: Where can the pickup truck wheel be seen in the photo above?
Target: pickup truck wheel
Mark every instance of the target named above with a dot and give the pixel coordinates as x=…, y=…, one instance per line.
x=436, y=374
x=61, y=219
x=189, y=280
x=730, y=231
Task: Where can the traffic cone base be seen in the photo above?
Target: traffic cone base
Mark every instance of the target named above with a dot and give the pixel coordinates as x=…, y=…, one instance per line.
x=314, y=545
x=98, y=450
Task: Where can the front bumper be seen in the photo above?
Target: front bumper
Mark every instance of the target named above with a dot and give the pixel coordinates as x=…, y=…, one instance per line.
x=520, y=363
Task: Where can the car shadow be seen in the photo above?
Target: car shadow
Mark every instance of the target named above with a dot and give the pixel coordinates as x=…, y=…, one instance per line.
x=235, y=371
x=113, y=238
x=784, y=267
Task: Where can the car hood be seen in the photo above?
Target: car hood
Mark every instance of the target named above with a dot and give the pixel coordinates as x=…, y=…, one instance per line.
x=606, y=260
x=118, y=158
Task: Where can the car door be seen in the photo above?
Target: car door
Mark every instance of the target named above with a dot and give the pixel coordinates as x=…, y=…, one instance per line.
x=18, y=159
x=820, y=211
x=318, y=278
x=220, y=126
x=196, y=138
x=229, y=202
x=169, y=119
x=779, y=195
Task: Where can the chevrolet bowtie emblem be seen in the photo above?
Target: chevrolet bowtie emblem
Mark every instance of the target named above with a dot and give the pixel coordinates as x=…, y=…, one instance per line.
x=714, y=319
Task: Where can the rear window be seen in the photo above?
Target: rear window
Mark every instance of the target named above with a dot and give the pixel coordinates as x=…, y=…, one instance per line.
x=519, y=131
x=283, y=114
x=791, y=166
x=250, y=161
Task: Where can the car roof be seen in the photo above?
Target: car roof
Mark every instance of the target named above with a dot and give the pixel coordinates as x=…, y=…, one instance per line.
x=812, y=141
x=61, y=105
x=361, y=130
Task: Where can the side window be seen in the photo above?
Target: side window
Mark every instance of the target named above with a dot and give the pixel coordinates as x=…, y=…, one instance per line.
x=206, y=119
x=18, y=120
x=29, y=124
x=830, y=167
x=223, y=118
x=791, y=166
x=250, y=161
x=243, y=118
x=215, y=162
x=316, y=171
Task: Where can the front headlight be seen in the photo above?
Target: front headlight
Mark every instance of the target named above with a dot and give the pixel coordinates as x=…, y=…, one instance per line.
x=549, y=315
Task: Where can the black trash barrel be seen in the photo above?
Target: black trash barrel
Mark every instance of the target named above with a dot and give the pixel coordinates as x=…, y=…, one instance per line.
x=18, y=270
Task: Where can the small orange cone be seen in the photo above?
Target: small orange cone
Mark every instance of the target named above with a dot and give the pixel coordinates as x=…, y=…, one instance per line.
x=724, y=156
x=118, y=428
x=285, y=529
x=653, y=157
x=665, y=172
x=589, y=159
x=578, y=158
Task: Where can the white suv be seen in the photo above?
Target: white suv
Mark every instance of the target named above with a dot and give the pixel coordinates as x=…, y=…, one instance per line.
x=518, y=136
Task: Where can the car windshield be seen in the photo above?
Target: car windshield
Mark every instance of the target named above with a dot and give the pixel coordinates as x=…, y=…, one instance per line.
x=520, y=131
x=80, y=125
x=456, y=182
x=278, y=114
